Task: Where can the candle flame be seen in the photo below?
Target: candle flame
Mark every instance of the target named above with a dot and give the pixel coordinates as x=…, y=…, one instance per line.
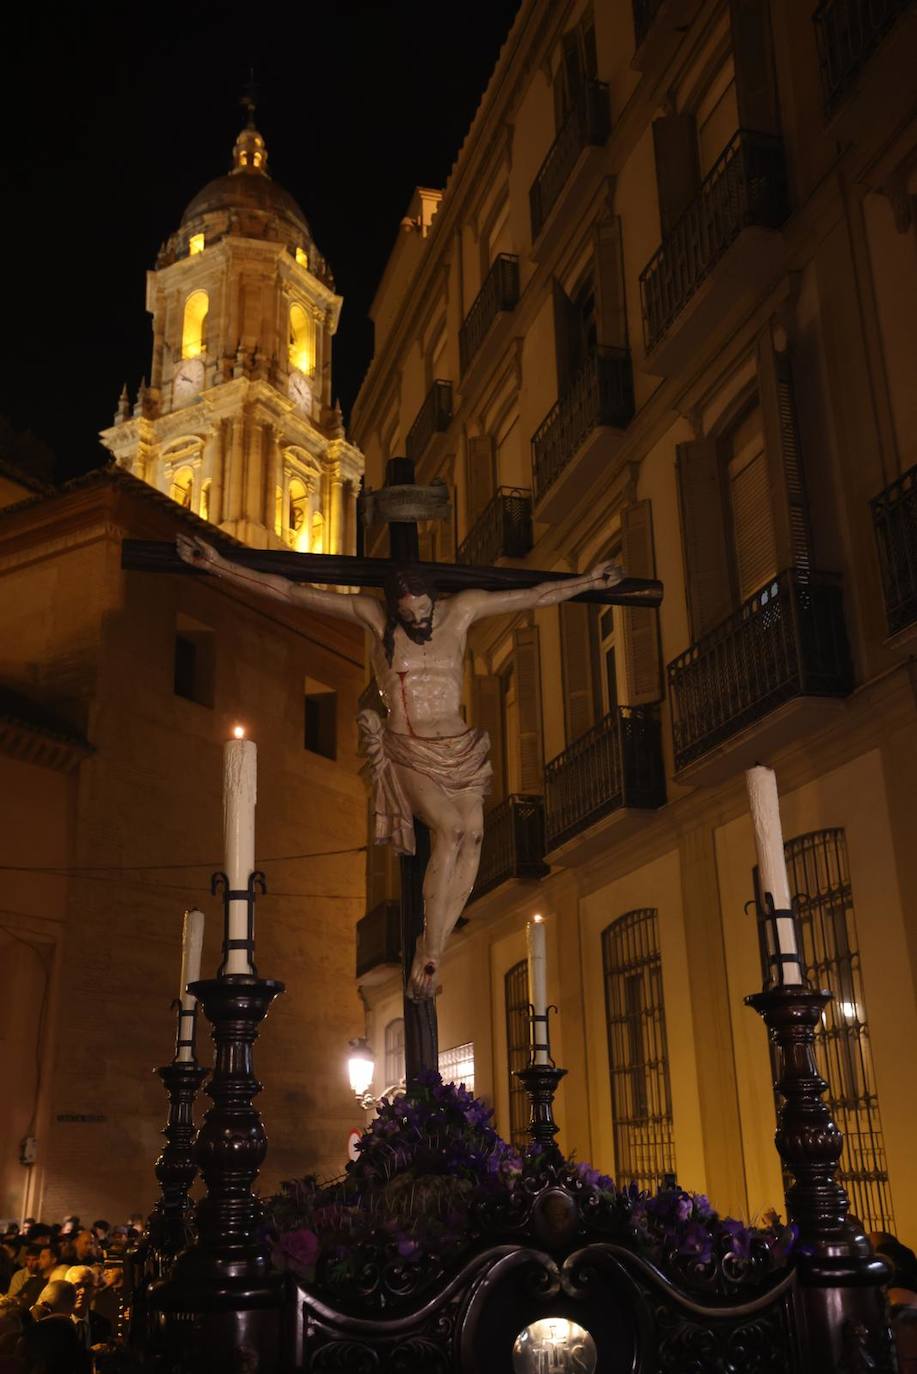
x=538, y=919
x=239, y=731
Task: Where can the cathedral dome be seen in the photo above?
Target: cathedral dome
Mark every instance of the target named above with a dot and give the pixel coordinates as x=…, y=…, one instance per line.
x=249, y=188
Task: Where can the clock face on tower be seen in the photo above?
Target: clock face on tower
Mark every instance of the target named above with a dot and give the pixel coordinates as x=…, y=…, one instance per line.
x=188, y=380
x=301, y=393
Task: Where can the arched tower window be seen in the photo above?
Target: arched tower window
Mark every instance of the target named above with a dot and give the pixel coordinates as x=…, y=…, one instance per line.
x=298, y=515
x=182, y=487
x=194, y=325
x=638, y=1054
x=819, y=874
x=302, y=339
x=205, y=500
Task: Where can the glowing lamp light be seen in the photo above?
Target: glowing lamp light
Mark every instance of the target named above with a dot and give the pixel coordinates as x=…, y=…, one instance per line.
x=360, y=1066
x=238, y=731
x=850, y=1010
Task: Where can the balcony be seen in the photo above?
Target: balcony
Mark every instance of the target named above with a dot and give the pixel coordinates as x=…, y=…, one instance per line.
x=772, y=660
x=615, y=765
x=848, y=32
x=730, y=226
x=513, y=844
x=499, y=294
x=587, y=126
x=434, y=417
x=599, y=401
x=379, y=942
x=894, y=513
x=502, y=530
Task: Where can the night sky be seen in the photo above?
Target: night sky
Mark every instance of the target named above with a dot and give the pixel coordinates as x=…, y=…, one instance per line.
x=115, y=118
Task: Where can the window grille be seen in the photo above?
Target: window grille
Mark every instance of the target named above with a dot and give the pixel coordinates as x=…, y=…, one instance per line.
x=394, y=1053
x=516, y=992
x=641, y=1097
x=457, y=1065
x=819, y=876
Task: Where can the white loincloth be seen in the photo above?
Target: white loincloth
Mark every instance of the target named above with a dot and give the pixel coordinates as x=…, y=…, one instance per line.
x=457, y=763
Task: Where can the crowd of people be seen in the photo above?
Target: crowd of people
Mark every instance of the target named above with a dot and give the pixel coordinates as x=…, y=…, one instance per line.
x=60, y=1295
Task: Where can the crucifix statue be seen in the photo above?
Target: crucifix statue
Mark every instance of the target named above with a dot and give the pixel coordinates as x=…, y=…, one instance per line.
x=428, y=768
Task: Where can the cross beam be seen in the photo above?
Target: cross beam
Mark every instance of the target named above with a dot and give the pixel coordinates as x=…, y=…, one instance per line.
x=342, y=570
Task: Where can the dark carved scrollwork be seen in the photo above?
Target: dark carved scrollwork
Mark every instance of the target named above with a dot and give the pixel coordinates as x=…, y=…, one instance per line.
x=756, y=1346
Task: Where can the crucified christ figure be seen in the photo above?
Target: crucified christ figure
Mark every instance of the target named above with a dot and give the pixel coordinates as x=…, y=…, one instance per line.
x=422, y=759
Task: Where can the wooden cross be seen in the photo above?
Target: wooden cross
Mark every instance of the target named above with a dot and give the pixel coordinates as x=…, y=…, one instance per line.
x=420, y=1028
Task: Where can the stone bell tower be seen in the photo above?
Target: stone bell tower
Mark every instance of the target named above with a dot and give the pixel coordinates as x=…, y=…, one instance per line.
x=237, y=423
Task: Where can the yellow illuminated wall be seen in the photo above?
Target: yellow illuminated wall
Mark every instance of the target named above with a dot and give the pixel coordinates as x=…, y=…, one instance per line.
x=302, y=339
x=194, y=324
x=182, y=487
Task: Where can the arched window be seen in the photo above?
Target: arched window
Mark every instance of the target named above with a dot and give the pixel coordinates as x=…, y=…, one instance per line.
x=394, y=1052
x=516, y=999
x=302, y=339
x=298, y=515
x=318, y=532
x=638, y=1056
x=182, y=487
x=819, y=875
x=205, y=501
x=194, y=325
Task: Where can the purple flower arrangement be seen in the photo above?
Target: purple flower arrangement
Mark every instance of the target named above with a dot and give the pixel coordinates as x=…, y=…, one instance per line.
x=432, y=1178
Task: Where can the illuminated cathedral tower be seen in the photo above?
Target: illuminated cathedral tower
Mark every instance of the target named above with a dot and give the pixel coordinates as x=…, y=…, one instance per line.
x=237, y=422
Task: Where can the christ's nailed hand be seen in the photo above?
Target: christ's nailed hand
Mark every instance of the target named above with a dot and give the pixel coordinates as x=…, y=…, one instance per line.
x=608, y=574
x=198, y=553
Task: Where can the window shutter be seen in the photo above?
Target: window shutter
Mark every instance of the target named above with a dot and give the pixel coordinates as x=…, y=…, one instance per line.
x=707, y=580
x=480, y=475
x=610, y=306
x=381, y=869
x=528, y=695
x=784, y=457
x=566, y=338
x=677, y=165
x=642, y=659
x=753, y=49
x=488, y=715
x=577, y=658
x=753, y=525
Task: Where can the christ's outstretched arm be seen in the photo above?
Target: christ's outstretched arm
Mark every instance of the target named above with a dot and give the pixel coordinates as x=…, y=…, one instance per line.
x=478, y=604
x=365, y=610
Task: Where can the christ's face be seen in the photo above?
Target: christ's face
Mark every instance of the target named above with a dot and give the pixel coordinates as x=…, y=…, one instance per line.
x=415, y=615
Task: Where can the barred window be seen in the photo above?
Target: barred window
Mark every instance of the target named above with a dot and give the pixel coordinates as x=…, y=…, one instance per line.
x=457, y=1065
x=516, y=992
x=819, y=874
x=394, y=1052
x=641, y=1098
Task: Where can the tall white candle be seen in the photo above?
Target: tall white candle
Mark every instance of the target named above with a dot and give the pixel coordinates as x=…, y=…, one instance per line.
x=192, y=939
x=772, y=874
x=240, y=769
x=538, y=980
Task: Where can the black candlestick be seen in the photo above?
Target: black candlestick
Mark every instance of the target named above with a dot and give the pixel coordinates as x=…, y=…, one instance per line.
x=540, y=1081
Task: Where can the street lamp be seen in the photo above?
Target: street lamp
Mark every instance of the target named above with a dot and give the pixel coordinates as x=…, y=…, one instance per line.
x=360, y=1069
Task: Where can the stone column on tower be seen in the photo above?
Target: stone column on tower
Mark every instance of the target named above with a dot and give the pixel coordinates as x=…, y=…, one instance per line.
x=336, y=531
x=213, y=464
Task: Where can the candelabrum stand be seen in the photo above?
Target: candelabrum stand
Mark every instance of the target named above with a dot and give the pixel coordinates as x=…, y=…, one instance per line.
x=841, y=1280
x=540, y=1080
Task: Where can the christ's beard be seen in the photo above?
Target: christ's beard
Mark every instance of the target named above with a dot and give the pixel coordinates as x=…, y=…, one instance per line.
x=419, y=631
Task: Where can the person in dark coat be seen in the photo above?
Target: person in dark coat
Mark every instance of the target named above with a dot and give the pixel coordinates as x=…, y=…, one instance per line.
x=52, y=1343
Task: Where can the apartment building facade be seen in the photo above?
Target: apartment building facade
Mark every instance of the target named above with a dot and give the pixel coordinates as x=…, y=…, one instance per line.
x=663, y=312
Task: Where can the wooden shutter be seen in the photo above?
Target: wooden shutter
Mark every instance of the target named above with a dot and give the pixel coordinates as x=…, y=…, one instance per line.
x=789, y=501
x=566, y=338
x=381, y=869
x=488, y=715
x=578, y=661
x=642, y=659
x=480, y=475
x=753, y=50
x=707, y=578
x=610, y=303
x=677, y=165
x=527, y=661
x=752, y=523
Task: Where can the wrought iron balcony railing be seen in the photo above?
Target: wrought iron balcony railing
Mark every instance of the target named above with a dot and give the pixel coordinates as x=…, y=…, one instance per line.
x=848, y=33
x=500, y=292
x=745, y=186
x=433, y=417
x=894, y=513
x=378, y=938
x=513, y=844
x=644, y=14
x=616, y=763
x=588, y=124
x=601, y=394
x=502, y=530
x=788, y=640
